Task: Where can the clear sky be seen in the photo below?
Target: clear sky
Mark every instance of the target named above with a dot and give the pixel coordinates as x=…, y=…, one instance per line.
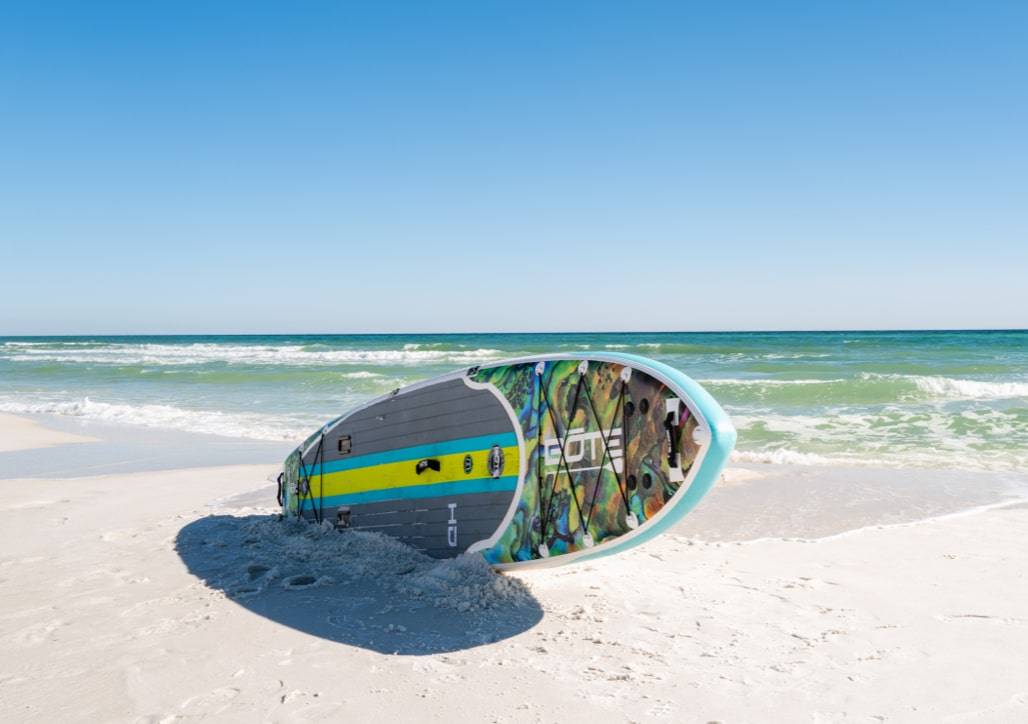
x=495, y=166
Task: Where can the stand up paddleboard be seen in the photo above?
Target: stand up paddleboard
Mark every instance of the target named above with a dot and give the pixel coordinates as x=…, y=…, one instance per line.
x=530, y=462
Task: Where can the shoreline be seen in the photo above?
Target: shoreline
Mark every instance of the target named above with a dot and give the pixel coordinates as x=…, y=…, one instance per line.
x=111, y=447
x=21, y=432
x=811, y=502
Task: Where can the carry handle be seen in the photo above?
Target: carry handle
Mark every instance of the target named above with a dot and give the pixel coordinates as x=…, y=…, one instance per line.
x=672, y=425
x=427, y=463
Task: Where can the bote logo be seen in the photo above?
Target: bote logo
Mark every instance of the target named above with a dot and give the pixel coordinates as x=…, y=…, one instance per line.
x=585, y=448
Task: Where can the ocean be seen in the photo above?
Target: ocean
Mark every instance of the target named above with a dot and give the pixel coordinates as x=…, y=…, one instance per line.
x=951, y=400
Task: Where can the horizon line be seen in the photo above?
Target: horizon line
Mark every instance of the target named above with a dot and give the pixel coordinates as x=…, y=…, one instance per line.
x=523, y=333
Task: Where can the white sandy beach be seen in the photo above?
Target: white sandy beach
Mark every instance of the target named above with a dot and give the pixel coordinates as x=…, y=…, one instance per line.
x=171, y=595
x=18, y=433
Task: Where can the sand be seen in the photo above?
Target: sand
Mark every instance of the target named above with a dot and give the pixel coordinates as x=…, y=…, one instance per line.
x=177, y=595
x=19, y=433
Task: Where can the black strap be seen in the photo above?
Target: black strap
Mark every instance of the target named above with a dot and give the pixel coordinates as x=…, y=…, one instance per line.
x=540, y=450
x=321, y=479
x=605, y=438
x=671, y=428
x=606, y=433
x=305, y=480
x=562, y=438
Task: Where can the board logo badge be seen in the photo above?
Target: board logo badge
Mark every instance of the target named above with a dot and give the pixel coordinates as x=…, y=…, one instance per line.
x=469, y=464
x=495, y=463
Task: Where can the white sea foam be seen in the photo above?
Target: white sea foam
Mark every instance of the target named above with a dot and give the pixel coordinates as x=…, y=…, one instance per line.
x=196, y=354
x=251, y=426
x=767, y=383
x=932, y=387
x=923, y=459
x=962, y=389
x=797, y=355
x=361, y=375
x=984, y=439
x=784, y=456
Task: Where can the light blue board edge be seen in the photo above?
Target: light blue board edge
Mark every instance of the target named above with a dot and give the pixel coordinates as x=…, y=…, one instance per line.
x=722, y=440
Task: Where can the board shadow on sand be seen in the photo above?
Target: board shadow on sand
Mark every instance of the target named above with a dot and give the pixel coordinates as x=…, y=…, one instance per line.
x=355, y=588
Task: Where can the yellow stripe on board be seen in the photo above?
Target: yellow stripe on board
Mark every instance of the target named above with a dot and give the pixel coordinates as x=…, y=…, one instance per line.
x=404, y=474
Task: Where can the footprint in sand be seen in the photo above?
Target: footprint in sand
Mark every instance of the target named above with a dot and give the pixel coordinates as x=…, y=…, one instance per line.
x=302, y=581
x=296, y=695
x=39, y=633
x=256, y=572
x=258, y=577
x=661, y=709
x=220, y=696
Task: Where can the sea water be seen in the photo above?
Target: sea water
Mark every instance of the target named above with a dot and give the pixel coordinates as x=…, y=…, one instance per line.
x=944, y=400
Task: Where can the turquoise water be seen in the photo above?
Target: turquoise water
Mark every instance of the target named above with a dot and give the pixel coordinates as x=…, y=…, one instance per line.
x=955, y=400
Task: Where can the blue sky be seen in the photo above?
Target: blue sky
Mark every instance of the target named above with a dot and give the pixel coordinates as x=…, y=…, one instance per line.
x=494, y=166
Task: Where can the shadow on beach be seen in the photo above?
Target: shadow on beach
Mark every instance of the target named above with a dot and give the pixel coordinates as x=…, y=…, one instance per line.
x=355, y=588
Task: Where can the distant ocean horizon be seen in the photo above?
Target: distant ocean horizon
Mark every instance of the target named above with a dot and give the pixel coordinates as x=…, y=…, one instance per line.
x=954, y=399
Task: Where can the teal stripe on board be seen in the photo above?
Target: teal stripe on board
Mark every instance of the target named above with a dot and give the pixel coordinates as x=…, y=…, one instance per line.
x=431, y=490
x=447, y=447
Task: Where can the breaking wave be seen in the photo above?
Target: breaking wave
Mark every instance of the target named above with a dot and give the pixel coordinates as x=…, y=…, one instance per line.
x=867, y=388
x=200, y=353
x=949, y=387
x=969, y=439
x=251, y=426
